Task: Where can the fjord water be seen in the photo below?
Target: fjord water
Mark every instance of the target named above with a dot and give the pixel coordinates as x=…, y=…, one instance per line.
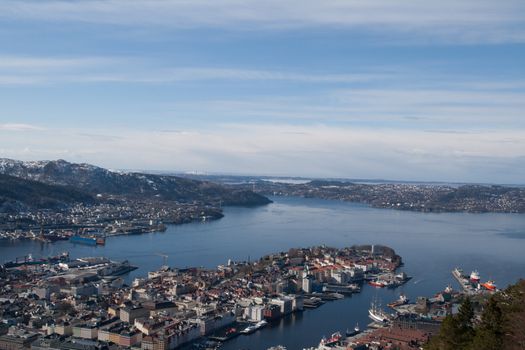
x=431, y=246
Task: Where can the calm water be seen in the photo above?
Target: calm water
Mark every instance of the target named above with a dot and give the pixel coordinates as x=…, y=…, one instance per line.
x=430, y=244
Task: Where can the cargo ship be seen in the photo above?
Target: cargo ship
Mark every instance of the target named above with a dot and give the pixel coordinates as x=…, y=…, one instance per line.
x=401, y=301
x=88, y=240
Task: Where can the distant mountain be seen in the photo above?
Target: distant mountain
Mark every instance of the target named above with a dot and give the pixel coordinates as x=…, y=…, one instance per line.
x=18, y=194
x=95, y=180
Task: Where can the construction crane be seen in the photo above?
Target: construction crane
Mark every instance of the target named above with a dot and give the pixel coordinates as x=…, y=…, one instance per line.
x=165, y=258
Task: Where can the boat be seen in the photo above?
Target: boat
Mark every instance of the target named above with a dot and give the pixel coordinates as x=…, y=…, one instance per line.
x=378, y=283
x=346, y=289
x=489, y=285
x=250, y=329
x=334, y=339
x=457, y=272
x=83, y=240
x=261, y=324
x=474, y=277
x=355, y=331
x=88, y=240
x=29, y=260
x=377, y=314
x=231, y=331
x=401, y=301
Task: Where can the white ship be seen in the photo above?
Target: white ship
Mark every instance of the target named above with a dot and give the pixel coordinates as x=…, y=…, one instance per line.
x=377, y=314
x=474, y=277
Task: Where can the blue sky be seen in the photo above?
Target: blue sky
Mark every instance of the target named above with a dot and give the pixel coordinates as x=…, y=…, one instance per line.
x=413, y=90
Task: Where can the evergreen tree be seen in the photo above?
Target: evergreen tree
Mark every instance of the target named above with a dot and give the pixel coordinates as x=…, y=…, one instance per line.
x=456, y=331
x=502, y=325
x=489, y=333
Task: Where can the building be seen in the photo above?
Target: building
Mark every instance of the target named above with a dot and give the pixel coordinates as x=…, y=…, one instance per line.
x=15, y=341
x=129, y=314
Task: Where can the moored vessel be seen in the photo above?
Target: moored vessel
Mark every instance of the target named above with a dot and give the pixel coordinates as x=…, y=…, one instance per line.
x=489, y=285
x=402, y=300
x=377, y=314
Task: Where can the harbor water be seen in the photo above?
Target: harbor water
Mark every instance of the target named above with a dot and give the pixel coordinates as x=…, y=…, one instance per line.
x=431, y=245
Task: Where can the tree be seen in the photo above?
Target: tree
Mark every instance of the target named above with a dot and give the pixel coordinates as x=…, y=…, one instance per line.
x=489, y=333
x=456, y=331
x=502, y=325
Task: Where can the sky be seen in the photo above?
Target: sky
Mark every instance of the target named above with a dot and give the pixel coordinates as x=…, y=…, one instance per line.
x=401, y=90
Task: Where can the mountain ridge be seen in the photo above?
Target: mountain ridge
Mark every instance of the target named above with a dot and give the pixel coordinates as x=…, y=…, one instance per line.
x=17, y=194
x=97, y=180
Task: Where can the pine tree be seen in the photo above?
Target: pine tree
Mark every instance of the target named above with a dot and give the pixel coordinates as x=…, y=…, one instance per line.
x=456, y=331
x=489, y=333
x=465, y=328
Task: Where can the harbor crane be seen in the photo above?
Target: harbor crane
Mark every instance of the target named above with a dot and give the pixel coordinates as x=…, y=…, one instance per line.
x=165, y=258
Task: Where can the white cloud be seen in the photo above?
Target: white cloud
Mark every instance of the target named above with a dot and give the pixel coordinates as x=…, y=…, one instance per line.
x=449, y=20
x=284, y=149
x=23, y=70
x=47, y=63
x=19, y=127
x=422, y=107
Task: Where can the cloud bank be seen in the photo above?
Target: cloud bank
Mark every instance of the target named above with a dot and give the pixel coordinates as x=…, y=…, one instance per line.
x=448, y=20
x=290, y=150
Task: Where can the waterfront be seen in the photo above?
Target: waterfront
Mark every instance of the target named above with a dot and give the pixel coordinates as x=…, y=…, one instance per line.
x=430, y=244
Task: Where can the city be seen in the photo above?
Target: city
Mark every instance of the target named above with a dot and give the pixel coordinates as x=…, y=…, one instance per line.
x=262, y=175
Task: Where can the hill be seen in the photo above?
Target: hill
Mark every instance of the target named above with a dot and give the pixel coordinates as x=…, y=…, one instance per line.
x=18, y=194
x=96, y=180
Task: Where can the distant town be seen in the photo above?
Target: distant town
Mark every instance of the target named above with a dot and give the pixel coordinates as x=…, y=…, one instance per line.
x=404, y=196
x=117, y=216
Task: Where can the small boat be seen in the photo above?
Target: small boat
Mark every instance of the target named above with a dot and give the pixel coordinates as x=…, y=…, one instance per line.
x=355, y=331
x=261, y=324
x=250, y=329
